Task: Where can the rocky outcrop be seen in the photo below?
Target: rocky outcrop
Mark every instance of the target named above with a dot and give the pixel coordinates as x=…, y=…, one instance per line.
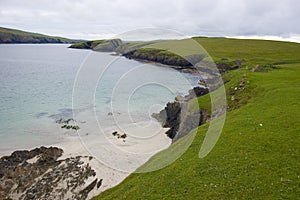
x=194, y=63
x=190, y=121
x=170, y=118
x=157, y=56
x=177, y=117
x=38, y=174
x=185, y=64
x=224, y=67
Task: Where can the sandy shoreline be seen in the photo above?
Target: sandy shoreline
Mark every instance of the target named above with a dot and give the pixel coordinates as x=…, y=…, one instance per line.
x=113, y=159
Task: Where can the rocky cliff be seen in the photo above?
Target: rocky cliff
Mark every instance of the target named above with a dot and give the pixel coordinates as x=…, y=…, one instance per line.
x=177, y=117
x=158, y=56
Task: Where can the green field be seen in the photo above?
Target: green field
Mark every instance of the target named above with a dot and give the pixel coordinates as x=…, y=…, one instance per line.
x=258, y=153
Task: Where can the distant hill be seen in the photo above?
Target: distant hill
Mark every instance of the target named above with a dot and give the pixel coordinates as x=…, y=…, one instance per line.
x=17, y=36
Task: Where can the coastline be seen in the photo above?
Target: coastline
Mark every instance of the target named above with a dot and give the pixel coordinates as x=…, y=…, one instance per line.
x=78, y=147
x=74, y=146
x=176, y=67
x=111, y=176
x=254, y=139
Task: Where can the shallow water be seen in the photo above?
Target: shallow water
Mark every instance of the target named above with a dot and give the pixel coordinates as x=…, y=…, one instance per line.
x=40, y=83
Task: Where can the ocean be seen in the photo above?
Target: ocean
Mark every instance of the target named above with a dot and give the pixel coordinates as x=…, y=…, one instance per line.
x=102, y=92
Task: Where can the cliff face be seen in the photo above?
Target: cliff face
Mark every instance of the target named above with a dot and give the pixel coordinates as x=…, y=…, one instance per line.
x=158, y=56
x=185, y=64
x=177, y=117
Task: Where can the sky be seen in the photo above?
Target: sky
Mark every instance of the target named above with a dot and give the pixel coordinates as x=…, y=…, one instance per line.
x=100, y=19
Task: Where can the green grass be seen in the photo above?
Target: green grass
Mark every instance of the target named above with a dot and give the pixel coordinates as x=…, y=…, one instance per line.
x=251, y=52
x=157, y=52
x=249, y=161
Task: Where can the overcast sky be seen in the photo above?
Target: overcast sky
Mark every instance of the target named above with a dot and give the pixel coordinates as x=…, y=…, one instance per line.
x=92, y=19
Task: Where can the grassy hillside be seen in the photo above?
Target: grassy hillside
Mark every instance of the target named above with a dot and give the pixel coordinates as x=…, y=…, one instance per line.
x=258, y=153
x=98, y=45
x=17, y=36
x=86, y=44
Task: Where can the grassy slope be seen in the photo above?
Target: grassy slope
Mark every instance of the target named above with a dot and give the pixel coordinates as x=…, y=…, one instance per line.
x=17, y=36
x=249, y=161
x=86, y=44
x=98, y=45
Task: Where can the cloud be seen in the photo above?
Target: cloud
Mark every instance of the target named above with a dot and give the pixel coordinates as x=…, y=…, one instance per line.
x=191, y=17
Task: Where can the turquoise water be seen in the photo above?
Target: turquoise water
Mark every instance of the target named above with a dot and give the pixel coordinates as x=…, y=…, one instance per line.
x=41, y=83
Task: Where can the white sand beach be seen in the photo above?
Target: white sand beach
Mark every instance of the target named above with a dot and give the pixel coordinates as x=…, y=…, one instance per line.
x=114, y=159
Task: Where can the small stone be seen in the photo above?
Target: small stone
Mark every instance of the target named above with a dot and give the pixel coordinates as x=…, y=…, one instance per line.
x=123, y=136
x=114, y=133
x=202, y=82
x=99, y=183
x=179, y=98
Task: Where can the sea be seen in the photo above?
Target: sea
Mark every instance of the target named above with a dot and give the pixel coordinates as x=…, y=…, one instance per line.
x=43, y=83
